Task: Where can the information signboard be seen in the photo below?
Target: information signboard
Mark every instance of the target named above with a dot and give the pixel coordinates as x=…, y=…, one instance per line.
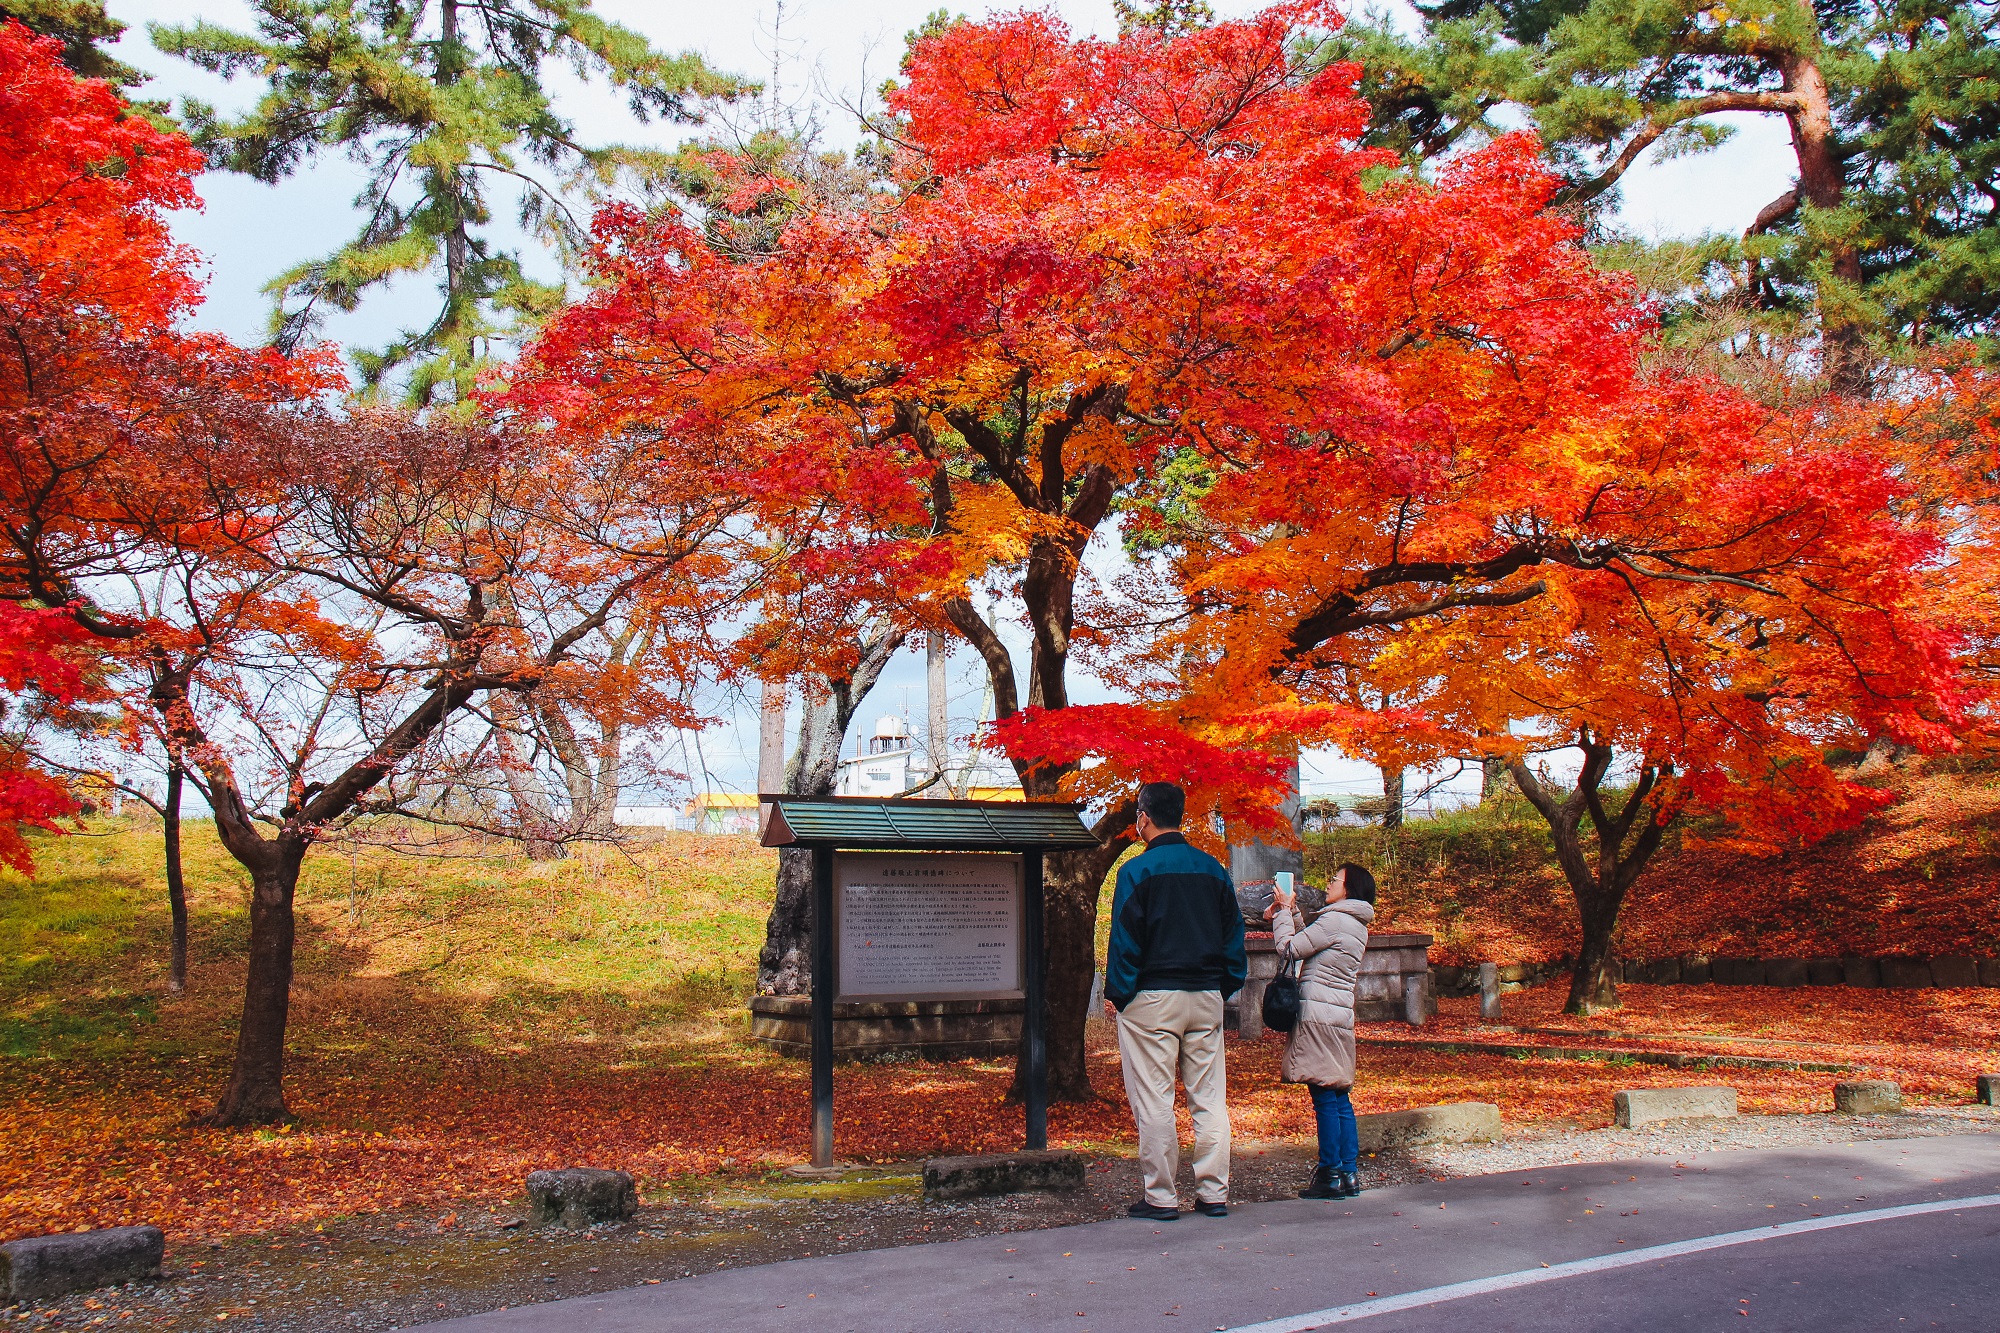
x=928, y=926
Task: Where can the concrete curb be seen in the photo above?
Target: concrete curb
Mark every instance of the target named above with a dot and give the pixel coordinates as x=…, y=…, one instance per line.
x=1453, y=1122
x=35, y=1267
x=1634, y=1107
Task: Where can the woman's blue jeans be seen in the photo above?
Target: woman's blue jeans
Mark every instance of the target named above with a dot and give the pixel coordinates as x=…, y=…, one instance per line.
x=1339, y=1145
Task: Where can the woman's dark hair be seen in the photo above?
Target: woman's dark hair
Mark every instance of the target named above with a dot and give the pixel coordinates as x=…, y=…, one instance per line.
x=1360, y=884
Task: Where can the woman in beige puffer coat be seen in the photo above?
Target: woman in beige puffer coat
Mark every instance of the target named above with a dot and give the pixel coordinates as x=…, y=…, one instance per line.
x=1319, y=1050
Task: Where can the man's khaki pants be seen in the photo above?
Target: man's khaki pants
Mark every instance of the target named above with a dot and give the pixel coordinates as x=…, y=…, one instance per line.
x=1158, y=1031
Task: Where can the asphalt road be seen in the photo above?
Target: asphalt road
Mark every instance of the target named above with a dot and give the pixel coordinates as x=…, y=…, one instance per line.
x=1891, y=1234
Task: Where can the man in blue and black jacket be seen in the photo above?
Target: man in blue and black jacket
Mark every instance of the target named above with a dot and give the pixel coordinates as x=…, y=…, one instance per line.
x=1176, y=954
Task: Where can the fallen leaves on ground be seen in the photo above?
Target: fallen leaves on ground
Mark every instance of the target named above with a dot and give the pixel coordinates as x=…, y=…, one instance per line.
x=103, y=1143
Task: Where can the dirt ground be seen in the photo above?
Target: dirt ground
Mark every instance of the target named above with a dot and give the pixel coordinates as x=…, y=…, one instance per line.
x=388, y=1272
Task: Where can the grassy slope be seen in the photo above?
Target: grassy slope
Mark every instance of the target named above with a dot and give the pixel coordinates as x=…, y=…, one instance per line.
x=618, y=946
x=1921, y=876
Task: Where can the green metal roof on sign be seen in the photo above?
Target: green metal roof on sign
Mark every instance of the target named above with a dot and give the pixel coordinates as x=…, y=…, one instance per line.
x=859, y=823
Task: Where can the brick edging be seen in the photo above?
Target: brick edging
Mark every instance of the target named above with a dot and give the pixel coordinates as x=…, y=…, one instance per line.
x=1674, y=1059
x=1891, y=971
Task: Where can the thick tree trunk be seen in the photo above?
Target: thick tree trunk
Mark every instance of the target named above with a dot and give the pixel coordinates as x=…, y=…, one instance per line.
x=1823, y=183
x=1592, y=989
x=1492, y=778
x=784, y=965
x=1392, y=797
x=177, y=954
x=1071, y=885
x=256, y=1091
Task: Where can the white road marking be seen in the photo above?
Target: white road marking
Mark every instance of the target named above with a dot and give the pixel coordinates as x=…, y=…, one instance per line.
x=1527, y=1277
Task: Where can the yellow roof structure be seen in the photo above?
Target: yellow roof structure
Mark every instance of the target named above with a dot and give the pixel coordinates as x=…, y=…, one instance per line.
x=722, y=800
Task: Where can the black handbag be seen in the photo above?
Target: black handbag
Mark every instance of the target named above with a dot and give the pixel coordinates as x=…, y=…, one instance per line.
x=1283, y=999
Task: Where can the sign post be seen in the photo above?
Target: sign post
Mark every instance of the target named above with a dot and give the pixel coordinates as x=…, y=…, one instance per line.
x=938, y=926
x=822, y=1000
x=1035, y=1015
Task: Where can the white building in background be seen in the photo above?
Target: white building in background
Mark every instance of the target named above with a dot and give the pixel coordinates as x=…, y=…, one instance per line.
x=885, y=766
x=647, y=816
x=890, y=763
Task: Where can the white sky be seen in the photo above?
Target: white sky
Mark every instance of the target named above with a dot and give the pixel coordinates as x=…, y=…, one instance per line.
x=831, y=51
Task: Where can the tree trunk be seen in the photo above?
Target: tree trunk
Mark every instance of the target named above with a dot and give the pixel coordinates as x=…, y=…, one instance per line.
x=1392, y=796
x=531, y=804
x=784, y=964
x=457, y=247
x=1823, y=183
x=1592, y=989
x=1071, y=885
x=177, y=956
x=1625, y=842
x=256, y=1091
x=1492, y=778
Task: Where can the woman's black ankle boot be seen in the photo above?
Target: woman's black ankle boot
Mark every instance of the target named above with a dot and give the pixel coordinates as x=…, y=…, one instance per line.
x=1350, y=1184
x=1325, y=1185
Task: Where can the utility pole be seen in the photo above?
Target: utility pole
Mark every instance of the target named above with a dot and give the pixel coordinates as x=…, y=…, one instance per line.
x=770, y=746
x=939, y=739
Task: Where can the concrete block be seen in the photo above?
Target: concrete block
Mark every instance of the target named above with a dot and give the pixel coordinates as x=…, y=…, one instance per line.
x=1989, y=1089
x=1003, y=1173
x=1824, y=972
x=1989, y=971
x=1786, y=972
x=1955, y=973
x=1454, y=1122
x=579, y=1196
x=1905, y=973
x=1868, y=1096
x=1643, y=1106
x=1863, y=972
x=37, y=1267
x=1697, y=971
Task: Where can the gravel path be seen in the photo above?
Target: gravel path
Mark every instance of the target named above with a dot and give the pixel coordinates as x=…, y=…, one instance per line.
x=1545, y=1145
x=385, y=1271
